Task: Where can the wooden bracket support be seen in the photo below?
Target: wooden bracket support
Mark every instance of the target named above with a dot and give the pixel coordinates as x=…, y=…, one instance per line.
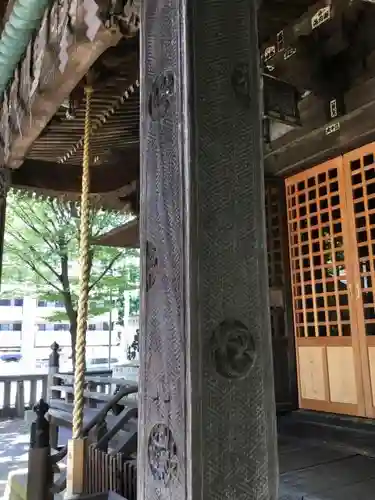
x=82, y=55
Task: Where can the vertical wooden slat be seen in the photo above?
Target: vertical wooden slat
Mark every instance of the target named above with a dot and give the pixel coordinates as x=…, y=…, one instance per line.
x=133, y=477
x=7, y=392
x=98, y=470
x=44, y=386
x=109, y=473
x=114, y=470
x=129, y=480
x=86, y=470
x=111, y=466
x=20, y=399
x=91, y=471
x=33, y=397
x=119, y=473
x=91, y=386
x=105, y=471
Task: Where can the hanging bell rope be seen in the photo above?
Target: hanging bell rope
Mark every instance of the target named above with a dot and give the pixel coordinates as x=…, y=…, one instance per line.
x=84, y=277
x=76, y=446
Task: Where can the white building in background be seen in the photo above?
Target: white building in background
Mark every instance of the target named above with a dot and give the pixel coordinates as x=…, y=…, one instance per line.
x=25, y=327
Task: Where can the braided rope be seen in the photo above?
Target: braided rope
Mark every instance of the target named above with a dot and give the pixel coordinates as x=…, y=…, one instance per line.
x=80, y=350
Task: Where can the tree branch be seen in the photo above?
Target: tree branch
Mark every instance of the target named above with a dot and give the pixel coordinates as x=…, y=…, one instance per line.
x=67, y=294
x=37, y=256
x=105, y=271
x=26, y=220
x=38, y=273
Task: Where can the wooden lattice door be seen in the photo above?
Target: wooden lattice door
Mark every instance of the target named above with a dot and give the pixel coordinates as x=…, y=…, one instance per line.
x=280, y=300
x=326, y=330
x=359, y=168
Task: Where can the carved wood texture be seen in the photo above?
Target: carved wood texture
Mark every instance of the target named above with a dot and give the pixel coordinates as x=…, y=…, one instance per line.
x=45, y=57
x=207, y=413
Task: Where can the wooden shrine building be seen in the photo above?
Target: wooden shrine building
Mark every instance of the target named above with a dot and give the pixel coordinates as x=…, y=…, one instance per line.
x=228, y=128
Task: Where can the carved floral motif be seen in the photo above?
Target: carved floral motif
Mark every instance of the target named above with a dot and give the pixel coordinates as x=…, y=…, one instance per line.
x=162, y=454
x=233, y=349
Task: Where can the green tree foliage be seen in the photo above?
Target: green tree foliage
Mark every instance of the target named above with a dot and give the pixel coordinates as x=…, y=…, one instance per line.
x=134, y=305
x=42, y=255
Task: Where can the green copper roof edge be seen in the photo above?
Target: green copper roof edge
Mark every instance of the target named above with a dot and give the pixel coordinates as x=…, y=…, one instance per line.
x=24, y=19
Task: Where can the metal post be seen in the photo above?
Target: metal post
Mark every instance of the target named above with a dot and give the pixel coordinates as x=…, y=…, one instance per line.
x=40, y=475
x=5, y=179
x=207, y=425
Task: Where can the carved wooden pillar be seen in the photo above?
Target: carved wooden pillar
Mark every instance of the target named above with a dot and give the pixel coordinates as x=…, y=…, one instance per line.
x=4, y=186
x=207, y=414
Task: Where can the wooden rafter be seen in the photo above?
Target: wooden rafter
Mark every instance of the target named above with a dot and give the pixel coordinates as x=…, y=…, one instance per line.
x=319, y=139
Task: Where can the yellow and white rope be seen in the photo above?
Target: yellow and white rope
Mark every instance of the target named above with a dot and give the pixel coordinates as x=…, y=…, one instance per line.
x=84, y=278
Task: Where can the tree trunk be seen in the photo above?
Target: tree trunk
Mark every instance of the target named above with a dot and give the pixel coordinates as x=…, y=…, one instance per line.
x=73, y=336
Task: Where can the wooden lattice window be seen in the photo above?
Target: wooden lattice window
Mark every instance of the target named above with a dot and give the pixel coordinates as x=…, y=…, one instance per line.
x=362, y=171
x=319, y=281
x=274, y=224
x=276, y=267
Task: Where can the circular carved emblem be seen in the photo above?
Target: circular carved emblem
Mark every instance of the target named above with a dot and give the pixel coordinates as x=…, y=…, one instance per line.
x=234, y=349
x=241, y=83
x=162, y=92
x=152, y=263
x=162, y=453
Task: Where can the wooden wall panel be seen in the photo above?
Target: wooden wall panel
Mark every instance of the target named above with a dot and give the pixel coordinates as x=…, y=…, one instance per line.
x=311, y=370
x=341, y=375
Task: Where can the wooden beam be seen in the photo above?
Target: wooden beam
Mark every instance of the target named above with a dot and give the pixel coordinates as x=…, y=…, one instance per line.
x=355, y=131
x=66, y=178
x=299, y=53
x=125, y=236
x=313, y=143
x=322, y=13
x=82, y=54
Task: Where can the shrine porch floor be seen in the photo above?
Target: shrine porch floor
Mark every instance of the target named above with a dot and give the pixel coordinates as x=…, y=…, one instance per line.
x=318, y=471
x=308, y=470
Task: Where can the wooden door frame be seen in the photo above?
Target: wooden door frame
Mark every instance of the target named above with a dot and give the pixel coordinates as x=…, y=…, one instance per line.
x=288, y=299
x=352, y=340
x=358, y=307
